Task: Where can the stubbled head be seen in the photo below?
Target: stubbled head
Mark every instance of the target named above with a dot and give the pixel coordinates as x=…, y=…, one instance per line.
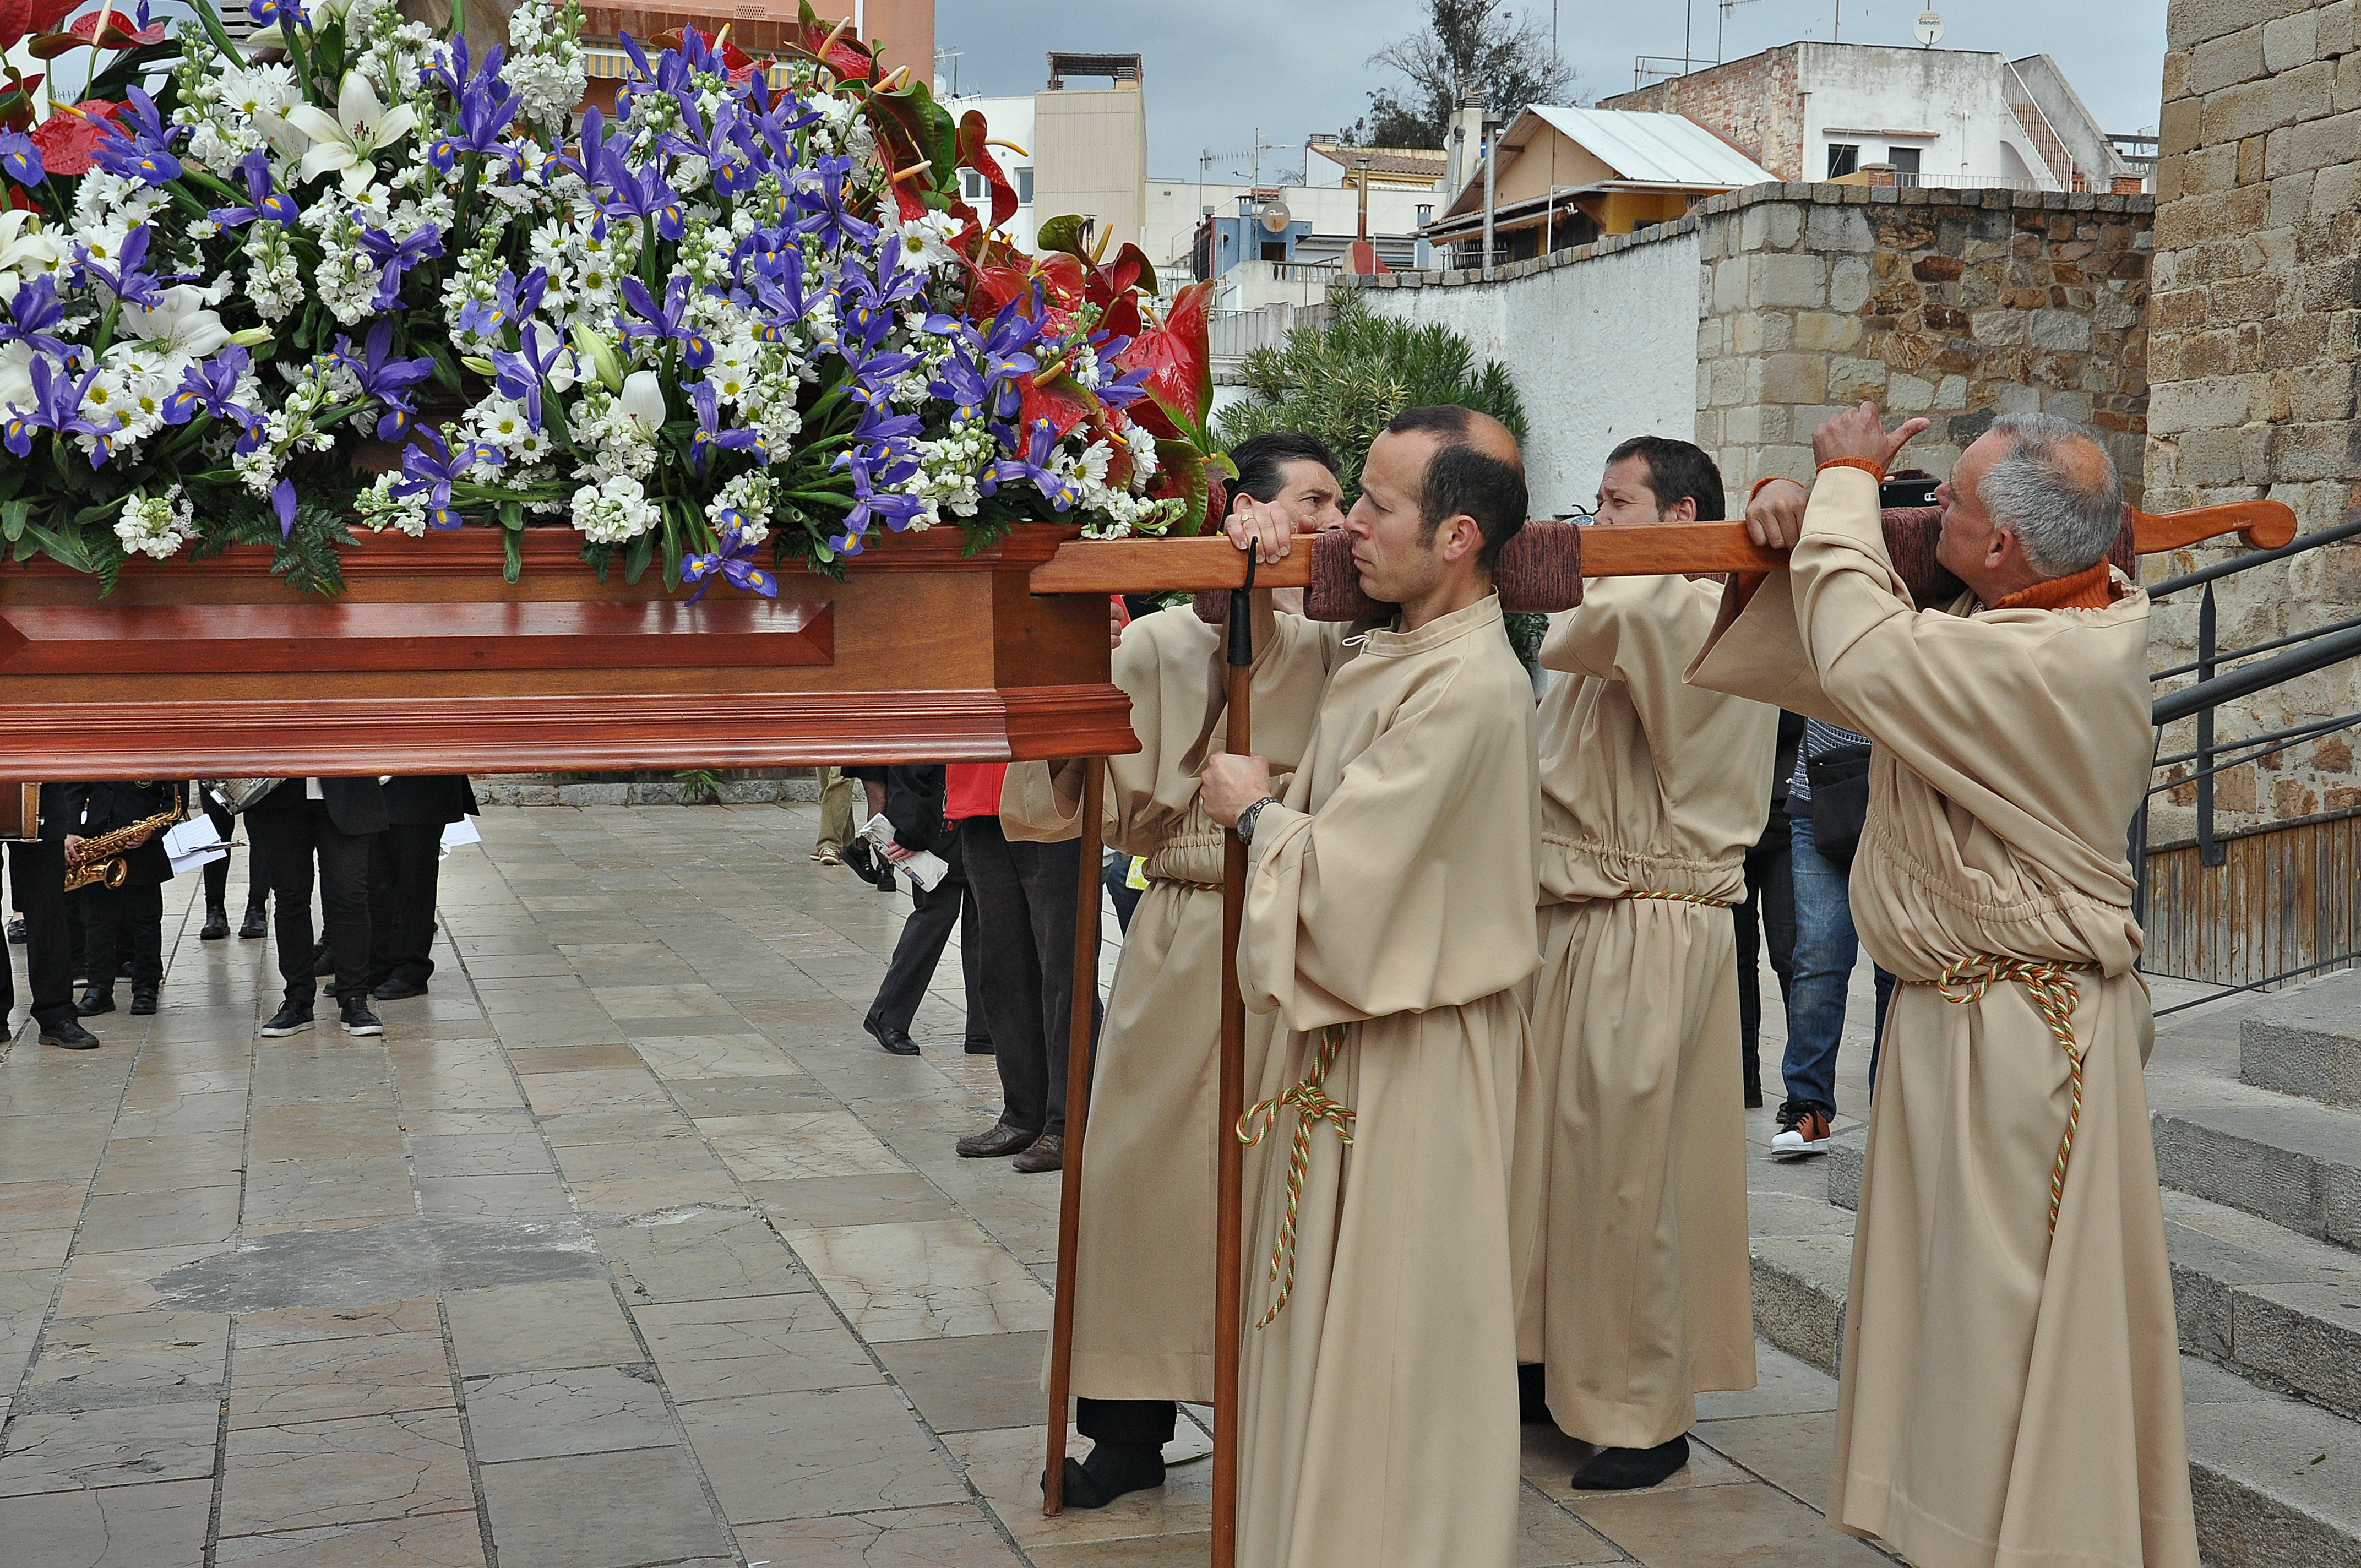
x=1655, y=478
x=2035, y=498
x=1444, y=489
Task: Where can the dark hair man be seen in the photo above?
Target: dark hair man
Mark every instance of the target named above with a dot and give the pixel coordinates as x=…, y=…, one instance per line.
x=1652, y=792
x=2010, y=1307
x=1388, y=925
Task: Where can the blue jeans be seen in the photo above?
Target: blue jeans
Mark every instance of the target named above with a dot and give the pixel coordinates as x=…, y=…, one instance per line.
x=1826, y=950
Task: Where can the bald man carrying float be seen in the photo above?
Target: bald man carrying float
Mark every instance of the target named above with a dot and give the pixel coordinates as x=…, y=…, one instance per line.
x=2011, y=1388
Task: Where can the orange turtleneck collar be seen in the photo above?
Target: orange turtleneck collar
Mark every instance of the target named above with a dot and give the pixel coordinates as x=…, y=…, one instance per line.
x=2091, y=589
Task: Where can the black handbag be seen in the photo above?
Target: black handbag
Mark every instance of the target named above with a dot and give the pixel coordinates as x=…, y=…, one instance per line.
x=1840, y=779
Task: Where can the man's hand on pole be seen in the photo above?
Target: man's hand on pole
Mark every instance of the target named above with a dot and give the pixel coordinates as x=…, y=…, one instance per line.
x=1271, y=524
x=1775, y=517
x=1860, y=433
x=1229, y=784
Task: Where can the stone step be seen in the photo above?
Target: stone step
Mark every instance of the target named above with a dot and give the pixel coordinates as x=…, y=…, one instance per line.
x=2268, y=1304
x=2307, y=1042
x=2276, y=1481
x=2293, y=1162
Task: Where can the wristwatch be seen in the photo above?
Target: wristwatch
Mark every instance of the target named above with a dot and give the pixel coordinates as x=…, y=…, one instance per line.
x=1246, y=818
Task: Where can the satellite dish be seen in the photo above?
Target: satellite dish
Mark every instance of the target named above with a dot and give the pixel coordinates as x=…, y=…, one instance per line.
x=1274, y=215
x=1929, y=28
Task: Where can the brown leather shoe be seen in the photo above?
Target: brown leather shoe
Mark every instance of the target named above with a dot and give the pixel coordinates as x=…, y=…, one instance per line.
x=1047, y=1153
x=999, y=1140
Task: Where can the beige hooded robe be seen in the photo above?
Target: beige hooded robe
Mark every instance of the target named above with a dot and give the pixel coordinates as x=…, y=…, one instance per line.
x=1144, y=1278
x=2010, y=1395
x=1388, y=925
x=1640, y=1291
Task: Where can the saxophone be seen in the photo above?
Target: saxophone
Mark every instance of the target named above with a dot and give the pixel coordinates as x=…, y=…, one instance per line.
x=101, y=861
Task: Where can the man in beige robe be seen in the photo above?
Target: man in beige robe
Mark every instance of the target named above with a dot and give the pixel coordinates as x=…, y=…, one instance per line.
x=1389, y=926
x=1638, y=1294
x=1144, y=1273
x=2011, y=1387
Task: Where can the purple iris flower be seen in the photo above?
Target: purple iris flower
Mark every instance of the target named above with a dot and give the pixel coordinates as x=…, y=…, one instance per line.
x=671, y=320
x=432, y=473
x=124, y=280
x=670, y=73
x=57, y=405
x=594, y=142
x=710, y=437
x=264, y=204
x=734, y=562
x=723, y=146
x=210, y=389
x=451, y=72
x=872, y=505
x=512, y=301
x=826, y=214
x=396, y=257
x=1032, y=465
x=385, y=378
x=1126, y=388
x=959, y=382
x=283, y=501
x=276, y=13
x=637, y=195
x=775, y=125
x=142, y=147
x=520, y=375
x=32, y=314
x=19, y=159
x=487, y=107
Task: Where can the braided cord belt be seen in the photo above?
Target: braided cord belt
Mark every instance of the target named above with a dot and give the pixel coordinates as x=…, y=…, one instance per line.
x=1311, y=1102
x=2051, y=986
x=1683, y=898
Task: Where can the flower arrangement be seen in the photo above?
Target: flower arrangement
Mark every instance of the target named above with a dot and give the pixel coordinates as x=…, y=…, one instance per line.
x=349, y=275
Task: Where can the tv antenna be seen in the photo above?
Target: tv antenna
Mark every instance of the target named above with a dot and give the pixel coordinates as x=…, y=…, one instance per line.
x=1929, y=28
x=1721, y=32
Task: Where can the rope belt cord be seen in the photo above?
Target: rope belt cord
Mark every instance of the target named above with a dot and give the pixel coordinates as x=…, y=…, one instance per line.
x=2052, y=985
x=1311, y=1103
x=1684, y=898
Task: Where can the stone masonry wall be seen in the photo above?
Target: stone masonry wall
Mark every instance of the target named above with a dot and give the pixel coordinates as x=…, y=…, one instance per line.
x=2255, y=352
x=1960, y=305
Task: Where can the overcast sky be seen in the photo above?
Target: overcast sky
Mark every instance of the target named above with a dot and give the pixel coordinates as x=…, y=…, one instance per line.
x=1216, y=68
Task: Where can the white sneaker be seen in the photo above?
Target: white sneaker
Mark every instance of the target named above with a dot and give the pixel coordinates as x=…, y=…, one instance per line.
x=1806, y=1135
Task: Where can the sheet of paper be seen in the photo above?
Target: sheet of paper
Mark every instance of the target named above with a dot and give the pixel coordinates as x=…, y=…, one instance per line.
x=192, y=837
x=460, y=834
x=188, y=862
x=926, y=868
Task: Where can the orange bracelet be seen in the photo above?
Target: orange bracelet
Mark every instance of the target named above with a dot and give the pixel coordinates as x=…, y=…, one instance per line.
x=1863, y=464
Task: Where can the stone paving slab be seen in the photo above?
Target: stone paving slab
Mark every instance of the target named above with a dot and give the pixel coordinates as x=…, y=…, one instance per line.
x=623, y=1247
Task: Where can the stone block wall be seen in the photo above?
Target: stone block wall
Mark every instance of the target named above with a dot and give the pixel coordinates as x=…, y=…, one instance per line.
x=1959, y=305
x=2255, y=351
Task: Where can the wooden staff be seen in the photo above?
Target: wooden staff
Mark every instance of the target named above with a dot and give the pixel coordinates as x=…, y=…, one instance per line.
x=1078, y=1102
x=1229, y=1159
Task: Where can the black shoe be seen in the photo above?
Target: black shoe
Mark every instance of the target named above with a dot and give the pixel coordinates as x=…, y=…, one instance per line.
x=255, y=926
x=216, y=927
x=861, y=859
x=16, y=937
x=323, y=962
x=69, y=1036
x=143, y=1001
x=995, y=1141
x=1532, y=1395
x=894, y=1042
x=398, y=990
x=357, y=1019
x=1112, y=1469
x=94, y=1002
x=1630, y=1469
x=982, y=1047
x=292, y=1018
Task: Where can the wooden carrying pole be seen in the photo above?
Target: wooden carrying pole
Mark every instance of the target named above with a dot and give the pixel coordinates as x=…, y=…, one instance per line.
x=1229, y=1160
x=1078, y=1103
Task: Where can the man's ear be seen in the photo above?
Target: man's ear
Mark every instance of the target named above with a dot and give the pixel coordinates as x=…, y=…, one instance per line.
x=1682, y=511
x=1463, y=536
x=2003, y=548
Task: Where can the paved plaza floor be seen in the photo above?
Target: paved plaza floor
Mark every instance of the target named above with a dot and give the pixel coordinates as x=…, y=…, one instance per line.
x=624, y=1246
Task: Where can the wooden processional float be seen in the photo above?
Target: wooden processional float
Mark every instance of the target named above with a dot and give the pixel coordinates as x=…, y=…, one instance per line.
x=1541, y=570
x=431, y=662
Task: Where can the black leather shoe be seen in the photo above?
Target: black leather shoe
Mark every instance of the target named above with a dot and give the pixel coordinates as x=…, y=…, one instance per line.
x=994, y=1141
x=255, y=926
x=1047, y=1152
x=69, y=1036
x=216, y=927
x=94, y=1002
x=982, y=1047
x=357, y=1019
x=896, y=1042
x=399, y=991
x=292, y=1018
x=323, y=962
x=143, y=1001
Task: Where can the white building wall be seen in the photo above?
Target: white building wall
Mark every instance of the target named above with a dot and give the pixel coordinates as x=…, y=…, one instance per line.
x=1600, y=350
x=1175, y=206
x=1955, y=97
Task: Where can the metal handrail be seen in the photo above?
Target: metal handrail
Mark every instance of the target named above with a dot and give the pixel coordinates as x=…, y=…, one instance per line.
x=2253, y=559
x=2248, y=679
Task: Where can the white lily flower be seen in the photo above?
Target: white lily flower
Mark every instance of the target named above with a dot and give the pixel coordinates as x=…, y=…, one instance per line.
x=25, y=250
x=182, y=325
x=642, y=401
x=361, y=127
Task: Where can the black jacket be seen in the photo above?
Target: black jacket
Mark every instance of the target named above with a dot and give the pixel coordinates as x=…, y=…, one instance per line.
x=106, y=807
x=434, y=800
x=356, y=806
x=61, y=809
x=913, y=805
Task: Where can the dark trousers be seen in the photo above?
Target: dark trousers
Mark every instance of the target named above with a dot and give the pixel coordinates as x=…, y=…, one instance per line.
x=37, y=879
x=923, y=936
x=1769, y=912
x=258, y=879
x=1025, y=899
x=125, y=923
x=1115, y=875
x=290, y=838
x=1126, y=1420
x=404, y=863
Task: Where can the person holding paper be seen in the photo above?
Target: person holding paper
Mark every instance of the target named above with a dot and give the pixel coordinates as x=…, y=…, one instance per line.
x=404, y=867
x=126, y=921
x=913, y=805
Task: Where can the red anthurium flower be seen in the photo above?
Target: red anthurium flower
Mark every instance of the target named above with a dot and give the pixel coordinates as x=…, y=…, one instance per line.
x=974, y=154
x=67, y=139
x=1179, y=366
x=120, y=31
x=20, y=19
